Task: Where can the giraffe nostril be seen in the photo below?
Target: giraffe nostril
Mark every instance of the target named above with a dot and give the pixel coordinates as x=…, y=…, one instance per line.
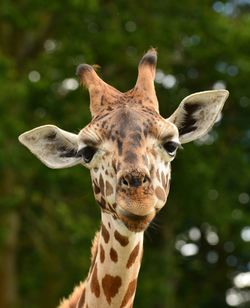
x=134, y=180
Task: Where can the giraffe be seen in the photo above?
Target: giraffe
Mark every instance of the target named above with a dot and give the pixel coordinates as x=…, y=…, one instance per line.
x=128, y=147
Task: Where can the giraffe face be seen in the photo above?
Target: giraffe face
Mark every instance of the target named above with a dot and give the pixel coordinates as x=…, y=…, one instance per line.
x=129, y=154
x=127, y=146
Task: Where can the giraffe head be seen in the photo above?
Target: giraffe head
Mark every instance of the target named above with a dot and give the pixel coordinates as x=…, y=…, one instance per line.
x=127, y=146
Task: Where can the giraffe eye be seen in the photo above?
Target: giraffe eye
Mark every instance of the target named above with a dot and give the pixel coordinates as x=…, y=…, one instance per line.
x=171, y=147
x=87, y=153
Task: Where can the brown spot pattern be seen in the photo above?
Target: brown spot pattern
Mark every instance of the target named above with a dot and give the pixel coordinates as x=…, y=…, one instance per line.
x=102, y=203
x=82, y=299
x=133, y=256
x=101, y=184
x=166, y=183
x=158, y=175
x=123, y=240
x=105, y=234
x=102, y=254
x=94, y=251
x=109, y=189
x=113, y=255
x=111, y=285
x=129, y=293
x=94, y=284
x=119, y=144
x=163, y=179
x=96, y=188
x=160, y=194
x=130, y=157
x=114, y=165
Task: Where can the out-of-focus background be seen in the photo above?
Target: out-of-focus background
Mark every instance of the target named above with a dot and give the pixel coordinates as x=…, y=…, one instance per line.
x=197, y=252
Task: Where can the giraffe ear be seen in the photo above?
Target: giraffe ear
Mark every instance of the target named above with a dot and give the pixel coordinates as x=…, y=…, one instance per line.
x=55, y=147
x=197, y=113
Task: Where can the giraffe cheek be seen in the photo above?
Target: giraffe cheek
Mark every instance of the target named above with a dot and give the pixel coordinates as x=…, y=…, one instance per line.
x=161, y=196
x=108, y=188
x=110, y=191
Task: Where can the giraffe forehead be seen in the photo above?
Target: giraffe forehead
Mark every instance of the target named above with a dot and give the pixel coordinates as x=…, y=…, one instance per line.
x=130, y=123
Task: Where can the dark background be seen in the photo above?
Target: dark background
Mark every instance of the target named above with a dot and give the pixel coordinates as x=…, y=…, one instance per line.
x=199, y=242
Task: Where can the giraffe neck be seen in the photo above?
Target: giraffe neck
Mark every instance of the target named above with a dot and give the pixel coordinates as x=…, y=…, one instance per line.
x=116, y=263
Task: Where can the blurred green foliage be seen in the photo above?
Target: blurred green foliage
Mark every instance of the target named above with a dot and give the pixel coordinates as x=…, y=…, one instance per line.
x=48, y=217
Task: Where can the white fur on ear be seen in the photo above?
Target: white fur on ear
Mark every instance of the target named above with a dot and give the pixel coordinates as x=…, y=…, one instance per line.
x=55, y=147
x=197, y=113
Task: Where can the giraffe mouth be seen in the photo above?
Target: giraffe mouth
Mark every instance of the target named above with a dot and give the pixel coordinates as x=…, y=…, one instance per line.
x=133, y=222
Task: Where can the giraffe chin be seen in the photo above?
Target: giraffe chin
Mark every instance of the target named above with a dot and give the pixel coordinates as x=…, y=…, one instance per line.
x=135, y=223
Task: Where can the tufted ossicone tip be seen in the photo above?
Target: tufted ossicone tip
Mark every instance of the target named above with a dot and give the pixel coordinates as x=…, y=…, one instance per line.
x=146, y=76
x=82, y=68
x=88, y=77
x=150, y=58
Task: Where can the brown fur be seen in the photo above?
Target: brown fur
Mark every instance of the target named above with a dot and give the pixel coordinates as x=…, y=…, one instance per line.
x=111, y=286
x=133, y=255
x=113, y=255
x=105, y=234
x=123, y=240
x=129, y=293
